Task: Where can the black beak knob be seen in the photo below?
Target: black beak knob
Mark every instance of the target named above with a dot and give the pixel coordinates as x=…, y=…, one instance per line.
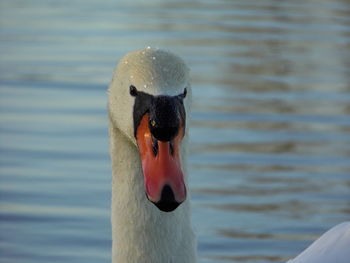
x=164, y=118
x=163, y=133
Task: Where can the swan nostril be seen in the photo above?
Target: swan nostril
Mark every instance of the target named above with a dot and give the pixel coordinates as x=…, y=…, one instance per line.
x=171, y=144
x=154, y=146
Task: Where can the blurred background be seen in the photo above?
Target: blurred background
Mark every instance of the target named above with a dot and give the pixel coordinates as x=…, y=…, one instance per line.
x=270, y=144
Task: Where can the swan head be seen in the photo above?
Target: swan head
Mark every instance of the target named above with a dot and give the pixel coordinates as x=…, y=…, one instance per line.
x=149, y=99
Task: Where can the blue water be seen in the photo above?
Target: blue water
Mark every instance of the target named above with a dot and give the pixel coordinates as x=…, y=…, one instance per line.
x=270, y=131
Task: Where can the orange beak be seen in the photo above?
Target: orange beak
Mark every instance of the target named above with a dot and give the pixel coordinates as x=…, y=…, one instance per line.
x=161, y=165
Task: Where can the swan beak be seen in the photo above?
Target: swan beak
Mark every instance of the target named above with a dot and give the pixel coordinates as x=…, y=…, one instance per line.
x=161, y=165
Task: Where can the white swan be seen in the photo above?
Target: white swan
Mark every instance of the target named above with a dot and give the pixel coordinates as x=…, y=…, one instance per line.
x=149, y=106
x=332, y=247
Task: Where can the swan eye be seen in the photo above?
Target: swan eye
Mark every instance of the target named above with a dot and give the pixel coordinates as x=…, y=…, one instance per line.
x=133, y=91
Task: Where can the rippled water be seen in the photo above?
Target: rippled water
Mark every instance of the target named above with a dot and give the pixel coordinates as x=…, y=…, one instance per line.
x=270, y=144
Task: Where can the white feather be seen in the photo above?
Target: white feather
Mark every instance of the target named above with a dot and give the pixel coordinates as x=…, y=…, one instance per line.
x=332, y=247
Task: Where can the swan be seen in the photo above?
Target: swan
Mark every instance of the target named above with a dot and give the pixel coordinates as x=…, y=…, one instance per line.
x=332, y=247
x=149, y=108
x=149, y=101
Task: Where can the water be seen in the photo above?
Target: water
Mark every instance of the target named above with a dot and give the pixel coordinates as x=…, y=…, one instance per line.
x=270, y=140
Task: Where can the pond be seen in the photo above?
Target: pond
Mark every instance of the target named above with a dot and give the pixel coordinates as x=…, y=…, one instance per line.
x=270, y=131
